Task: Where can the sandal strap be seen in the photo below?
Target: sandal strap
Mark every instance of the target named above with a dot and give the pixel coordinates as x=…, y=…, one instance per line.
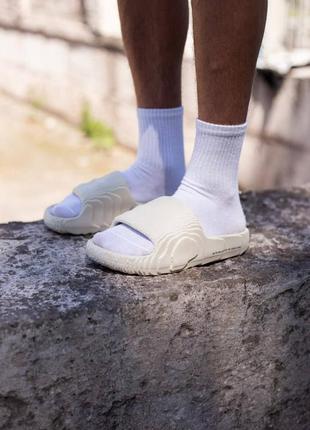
x=98, y=188
x=159, y=218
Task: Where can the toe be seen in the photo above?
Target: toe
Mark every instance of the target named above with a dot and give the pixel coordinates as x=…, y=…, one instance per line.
x=68, y=208
x=124, y=240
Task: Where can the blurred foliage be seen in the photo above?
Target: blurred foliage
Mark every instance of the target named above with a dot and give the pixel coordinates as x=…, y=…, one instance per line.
x=37, y=103
x=36, y=99
x=101, y=135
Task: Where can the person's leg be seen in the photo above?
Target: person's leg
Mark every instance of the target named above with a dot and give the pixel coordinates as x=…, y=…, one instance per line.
x=154, y=35
x=227, y=38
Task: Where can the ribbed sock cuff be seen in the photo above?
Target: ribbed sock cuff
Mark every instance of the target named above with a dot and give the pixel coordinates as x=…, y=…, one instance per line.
x=215, y=159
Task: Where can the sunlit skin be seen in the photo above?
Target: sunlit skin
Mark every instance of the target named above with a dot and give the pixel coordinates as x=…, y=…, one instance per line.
x=154, y=34
x=227, y=36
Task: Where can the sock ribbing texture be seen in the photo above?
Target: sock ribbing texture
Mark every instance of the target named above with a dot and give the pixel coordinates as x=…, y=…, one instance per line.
x=160, y=165
x=210, y=186
x=215, y=159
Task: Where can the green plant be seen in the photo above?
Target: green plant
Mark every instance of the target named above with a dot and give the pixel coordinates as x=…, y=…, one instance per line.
x=36, y=98
x=37, y=102
x=96, y=130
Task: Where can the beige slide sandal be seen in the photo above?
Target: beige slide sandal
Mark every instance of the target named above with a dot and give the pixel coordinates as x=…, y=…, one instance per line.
x=178, y=239
x=102, y=200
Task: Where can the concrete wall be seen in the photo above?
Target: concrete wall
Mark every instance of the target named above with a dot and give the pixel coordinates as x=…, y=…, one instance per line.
x=61, y=55
x=277, y=149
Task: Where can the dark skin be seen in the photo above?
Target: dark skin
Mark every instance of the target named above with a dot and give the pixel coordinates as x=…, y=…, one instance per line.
x=227, y=37
x=154, y=34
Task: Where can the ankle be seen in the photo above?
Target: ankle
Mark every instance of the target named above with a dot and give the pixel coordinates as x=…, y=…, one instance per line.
x=149, y=182
x=160, y=165
x=218, y=214
x=145, y=183
x=210, y=190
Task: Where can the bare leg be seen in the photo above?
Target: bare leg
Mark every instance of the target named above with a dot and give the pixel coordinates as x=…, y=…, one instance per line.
x=227, y=37
x=154, y=34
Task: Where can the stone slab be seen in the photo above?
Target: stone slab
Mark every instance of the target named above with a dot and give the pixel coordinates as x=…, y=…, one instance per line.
x=221, y=347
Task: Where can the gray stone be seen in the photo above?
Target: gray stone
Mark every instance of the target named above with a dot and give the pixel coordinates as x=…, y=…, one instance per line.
x=221, y=347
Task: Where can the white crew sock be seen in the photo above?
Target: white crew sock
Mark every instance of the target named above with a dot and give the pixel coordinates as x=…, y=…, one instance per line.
x=159, y=166
x=209, y=188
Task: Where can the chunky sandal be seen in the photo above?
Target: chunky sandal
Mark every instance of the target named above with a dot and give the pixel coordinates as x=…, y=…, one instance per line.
x=102, y=200
x=178, y=239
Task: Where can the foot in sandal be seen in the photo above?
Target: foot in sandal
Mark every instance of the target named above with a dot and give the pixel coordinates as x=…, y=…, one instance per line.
x=157, y=171
x=202, y=222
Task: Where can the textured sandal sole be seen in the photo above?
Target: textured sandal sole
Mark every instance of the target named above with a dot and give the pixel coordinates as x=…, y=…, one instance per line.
x=218, y=248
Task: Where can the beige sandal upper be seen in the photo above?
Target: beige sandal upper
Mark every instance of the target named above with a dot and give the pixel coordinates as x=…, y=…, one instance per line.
x=102, y=200
x=177, y=236
x=165, y=220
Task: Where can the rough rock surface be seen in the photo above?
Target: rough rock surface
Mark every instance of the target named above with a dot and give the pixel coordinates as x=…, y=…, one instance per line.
x=221, y=347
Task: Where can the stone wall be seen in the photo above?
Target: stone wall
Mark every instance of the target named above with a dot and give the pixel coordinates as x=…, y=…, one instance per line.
x=277, y=151
x=61, y=55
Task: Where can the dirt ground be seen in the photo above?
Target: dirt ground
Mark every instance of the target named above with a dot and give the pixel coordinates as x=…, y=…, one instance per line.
x=42, y=158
